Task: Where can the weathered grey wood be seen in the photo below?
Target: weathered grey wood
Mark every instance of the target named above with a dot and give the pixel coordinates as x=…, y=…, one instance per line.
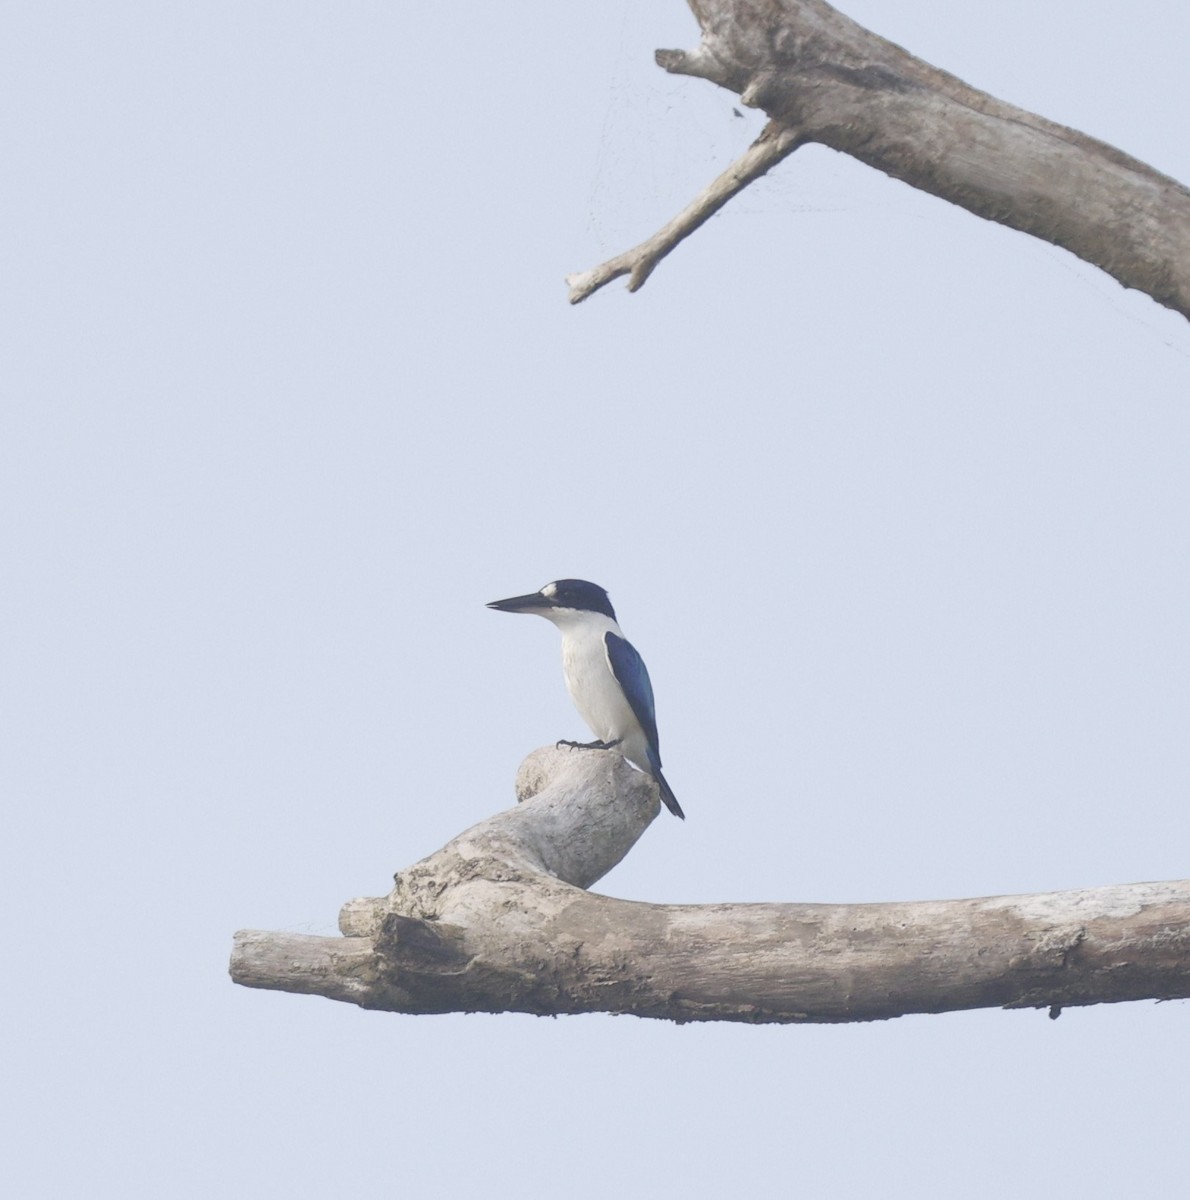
x=338, y=968
x=826, y=79
x=498, y=921
x=775, y=143
x=578, y=814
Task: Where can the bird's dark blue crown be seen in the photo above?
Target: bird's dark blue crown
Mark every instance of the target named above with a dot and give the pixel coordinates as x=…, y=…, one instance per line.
x=579, y=594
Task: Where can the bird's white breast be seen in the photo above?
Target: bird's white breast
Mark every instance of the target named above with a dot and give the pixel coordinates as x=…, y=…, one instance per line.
x=589, y=679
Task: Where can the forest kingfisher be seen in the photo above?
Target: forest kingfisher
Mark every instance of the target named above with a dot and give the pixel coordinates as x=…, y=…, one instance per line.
x=605, y=676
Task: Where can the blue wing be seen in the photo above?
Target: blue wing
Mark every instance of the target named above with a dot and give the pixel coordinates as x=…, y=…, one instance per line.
x=629, y=669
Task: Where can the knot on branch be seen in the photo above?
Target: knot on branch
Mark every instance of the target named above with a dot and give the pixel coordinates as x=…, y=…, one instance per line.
x=578, y=814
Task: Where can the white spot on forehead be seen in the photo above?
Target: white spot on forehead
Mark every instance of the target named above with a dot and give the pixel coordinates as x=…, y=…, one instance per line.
x=550, y=590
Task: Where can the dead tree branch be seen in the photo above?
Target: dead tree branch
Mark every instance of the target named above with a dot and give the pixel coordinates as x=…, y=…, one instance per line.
x=774, y=143
x=820, y=77
x=499, y=920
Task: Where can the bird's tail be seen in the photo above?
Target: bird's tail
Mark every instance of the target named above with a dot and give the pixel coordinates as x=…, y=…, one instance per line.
x=667, y=793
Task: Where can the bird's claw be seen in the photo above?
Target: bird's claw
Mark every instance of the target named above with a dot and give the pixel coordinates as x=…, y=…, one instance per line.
x=587, y=745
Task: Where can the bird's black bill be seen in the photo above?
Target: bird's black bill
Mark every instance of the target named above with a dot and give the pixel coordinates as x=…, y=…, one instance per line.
x=534, y=602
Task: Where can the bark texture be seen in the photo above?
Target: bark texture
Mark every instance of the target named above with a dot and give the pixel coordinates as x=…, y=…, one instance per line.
x=820, y=77
x=499, y=920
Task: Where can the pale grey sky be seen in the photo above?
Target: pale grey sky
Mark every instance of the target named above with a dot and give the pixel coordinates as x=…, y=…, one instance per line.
x=895, y=503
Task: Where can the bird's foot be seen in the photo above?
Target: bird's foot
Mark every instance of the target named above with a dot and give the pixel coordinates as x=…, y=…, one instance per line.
x=588, y=745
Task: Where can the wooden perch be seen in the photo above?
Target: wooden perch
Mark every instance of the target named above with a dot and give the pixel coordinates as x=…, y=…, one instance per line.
x=499, y=920
x=820, y=77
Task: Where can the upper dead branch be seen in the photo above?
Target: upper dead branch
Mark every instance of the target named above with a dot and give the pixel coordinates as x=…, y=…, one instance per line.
x=820, y=77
